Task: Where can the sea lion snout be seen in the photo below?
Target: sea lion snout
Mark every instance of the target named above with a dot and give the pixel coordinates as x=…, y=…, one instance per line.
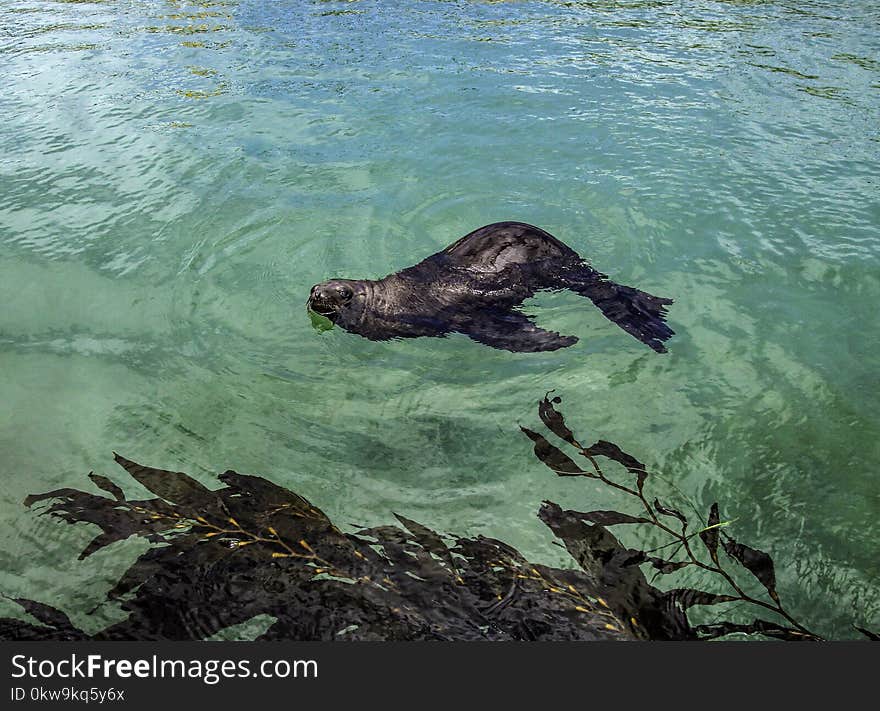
x=328, y=297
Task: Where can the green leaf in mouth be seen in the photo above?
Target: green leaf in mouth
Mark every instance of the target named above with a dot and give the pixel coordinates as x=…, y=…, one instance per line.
x=320, y=322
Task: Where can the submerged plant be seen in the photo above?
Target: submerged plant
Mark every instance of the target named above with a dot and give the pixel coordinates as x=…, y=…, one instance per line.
x=222, y=557
x=673, y=524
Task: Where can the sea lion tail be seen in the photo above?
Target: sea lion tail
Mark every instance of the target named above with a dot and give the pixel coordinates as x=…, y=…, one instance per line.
x=637, y=312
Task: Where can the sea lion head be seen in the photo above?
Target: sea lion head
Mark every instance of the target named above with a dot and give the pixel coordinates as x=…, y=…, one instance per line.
x=340, y=300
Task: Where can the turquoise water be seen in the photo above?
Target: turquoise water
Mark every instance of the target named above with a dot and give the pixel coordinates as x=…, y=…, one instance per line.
x=177, y=175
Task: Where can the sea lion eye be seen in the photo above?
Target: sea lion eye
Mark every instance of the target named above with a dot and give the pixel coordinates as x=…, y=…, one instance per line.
x=345, y=292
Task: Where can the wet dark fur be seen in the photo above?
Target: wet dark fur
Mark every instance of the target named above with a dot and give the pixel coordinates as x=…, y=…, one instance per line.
x=474, y=287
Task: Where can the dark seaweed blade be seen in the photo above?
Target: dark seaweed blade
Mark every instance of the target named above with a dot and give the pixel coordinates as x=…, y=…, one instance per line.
x=668, y=511
x=769, y=629
x=391, y=534
x=756, y=562
x=633, y=556
x=636, y=557
x=47, y=615
x=104, y=483
x=54, y=624
x=710, y=537
x=873, y=636
x=428, y=539
x=612, y=451
x=615, y=453
x=610, y=518
x=553, y=457
x=117, y=519
x=265, y=495
x=554, y=420
x=21, y=631
x=175, y=487
x=687, y=597
x=667, y=566
x=66, y=494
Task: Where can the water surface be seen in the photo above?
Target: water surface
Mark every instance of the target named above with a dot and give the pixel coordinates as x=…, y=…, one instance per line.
x=176, y=175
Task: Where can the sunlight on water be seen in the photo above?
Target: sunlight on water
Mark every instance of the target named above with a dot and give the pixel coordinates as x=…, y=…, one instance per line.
x=177, y=175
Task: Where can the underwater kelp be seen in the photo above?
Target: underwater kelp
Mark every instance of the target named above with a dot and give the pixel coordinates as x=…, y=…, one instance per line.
x=222, y=557
x=673, y=524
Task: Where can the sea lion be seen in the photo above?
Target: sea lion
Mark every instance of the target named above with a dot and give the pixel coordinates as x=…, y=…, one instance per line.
x=474, y=286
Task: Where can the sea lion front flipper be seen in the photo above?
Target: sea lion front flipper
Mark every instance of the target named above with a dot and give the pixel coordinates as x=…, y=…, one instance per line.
x=512, y=331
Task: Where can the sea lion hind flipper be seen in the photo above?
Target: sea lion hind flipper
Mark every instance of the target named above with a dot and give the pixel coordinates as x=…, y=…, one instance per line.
x=637, y=312
x=512, y=331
